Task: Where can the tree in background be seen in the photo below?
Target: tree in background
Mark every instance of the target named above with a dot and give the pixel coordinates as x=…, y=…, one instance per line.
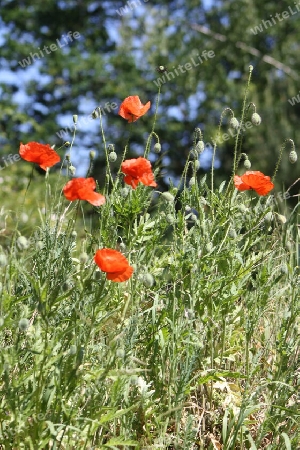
x=116, y=55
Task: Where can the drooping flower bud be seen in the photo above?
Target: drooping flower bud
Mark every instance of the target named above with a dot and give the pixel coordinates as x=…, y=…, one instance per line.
x=22, y=243
x=72, y=170
x=83, y=258
x=199, y=147
x=148, y=280
x=23, y=324
x=192, y=181
x=256, y=119
x=234, y=123
x=157, y=148
x=75, y=118
x=112, y=157
x=92, y=155
x=269, y=216
x=247, y=164
x=3, y=260
x=293, y=157
x=168, y=197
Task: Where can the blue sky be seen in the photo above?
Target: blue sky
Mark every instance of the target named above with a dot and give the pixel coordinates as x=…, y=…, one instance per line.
x=22, y=76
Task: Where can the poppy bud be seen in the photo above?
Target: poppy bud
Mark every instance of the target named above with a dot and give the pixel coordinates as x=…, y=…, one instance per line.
x=74, y=234
x=168, y=197
x=209, y=247
x=256, y=119
x=111, y=147
x=196, y=164
x=120, y=353
x=284, y=269
x=75, y=118
x=269, y=216
x=170, y=219
x=73, y=350
x=40, y=245
x=3, y=260
x=68, y=158
x=199, y=147
x=72, y=170
x=281, y=218
x=112, y=157
x=23, y=324
x=232, y=233
x=293, y=156
x=188, y=209
x=83, y=258
x=234, y=123
x=124, y=191
x=22, y=243
x=67, y=144
x=192, y=181
x=198, y=134
x=247, y=164
x=148, y=280
x=92, y=155
x=157, y=148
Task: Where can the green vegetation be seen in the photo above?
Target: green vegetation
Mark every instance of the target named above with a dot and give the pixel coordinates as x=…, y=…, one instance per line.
x=199, y=349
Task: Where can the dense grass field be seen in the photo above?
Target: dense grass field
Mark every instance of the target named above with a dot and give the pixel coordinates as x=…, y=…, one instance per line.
x=138, y=319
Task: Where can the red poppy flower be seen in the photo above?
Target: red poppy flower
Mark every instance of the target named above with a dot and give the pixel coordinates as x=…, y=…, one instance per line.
x=138, y=171
x=132, y=108
x=114, y=264
x=255, y=180
x=41, y=154
x=83, y=189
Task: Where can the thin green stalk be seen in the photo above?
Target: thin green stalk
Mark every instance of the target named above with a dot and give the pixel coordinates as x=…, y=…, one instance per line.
x=148, y=144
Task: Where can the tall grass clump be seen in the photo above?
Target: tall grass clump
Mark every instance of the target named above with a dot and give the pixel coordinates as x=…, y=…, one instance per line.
x=140, y=319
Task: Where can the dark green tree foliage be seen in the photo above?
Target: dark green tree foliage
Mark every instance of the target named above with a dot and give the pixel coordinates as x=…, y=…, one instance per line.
x=116, y=56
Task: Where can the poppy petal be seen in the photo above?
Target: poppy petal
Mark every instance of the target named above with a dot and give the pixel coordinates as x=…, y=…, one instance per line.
x=255, y=180
x=132, y=108
x=41, y=154
x=138, y=170
x=120, y=276
x=110, y=260
x=239, y=184
x=83, y=189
